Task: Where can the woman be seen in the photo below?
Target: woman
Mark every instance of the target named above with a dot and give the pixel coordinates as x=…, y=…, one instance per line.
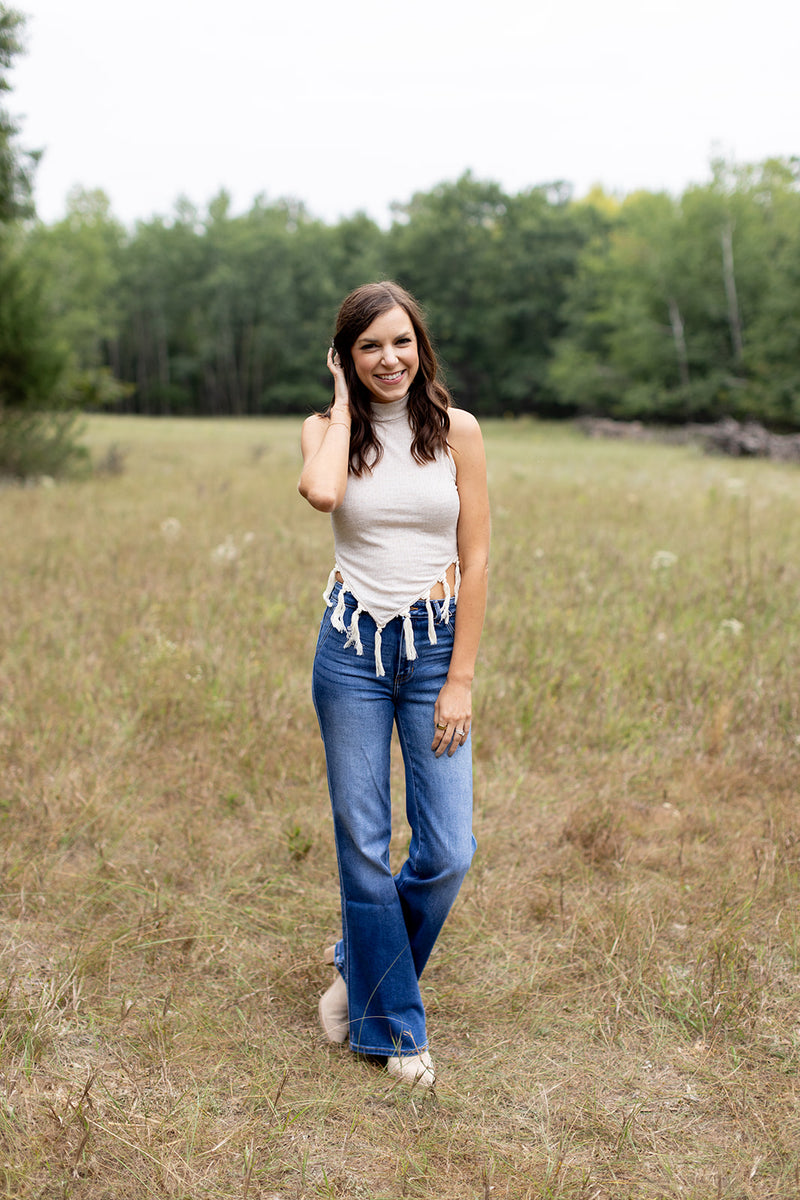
x=404, y=476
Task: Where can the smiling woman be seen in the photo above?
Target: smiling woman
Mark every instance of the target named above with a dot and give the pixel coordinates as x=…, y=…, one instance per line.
x=403, y=475
x=385, y=356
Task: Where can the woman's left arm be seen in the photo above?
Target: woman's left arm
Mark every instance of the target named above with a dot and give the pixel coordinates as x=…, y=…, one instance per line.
x=454, y=704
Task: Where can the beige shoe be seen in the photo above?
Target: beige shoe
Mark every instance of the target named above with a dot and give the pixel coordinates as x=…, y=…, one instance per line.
x=414, y=1069
x=333, y=1015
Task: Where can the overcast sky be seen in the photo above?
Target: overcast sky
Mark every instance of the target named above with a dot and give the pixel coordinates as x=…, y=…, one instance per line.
x=352, y=105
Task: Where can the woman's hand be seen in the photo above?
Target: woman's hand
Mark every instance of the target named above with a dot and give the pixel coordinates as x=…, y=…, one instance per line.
x=325, y=442
x=334, y=362
x=452, y=716
x=453, y=710
x=341, y=398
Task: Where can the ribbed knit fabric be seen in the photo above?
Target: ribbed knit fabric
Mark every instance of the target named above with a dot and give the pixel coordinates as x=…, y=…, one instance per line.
x=395, y=533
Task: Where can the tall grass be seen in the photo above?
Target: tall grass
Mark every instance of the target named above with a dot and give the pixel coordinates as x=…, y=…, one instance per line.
x=613, y=1004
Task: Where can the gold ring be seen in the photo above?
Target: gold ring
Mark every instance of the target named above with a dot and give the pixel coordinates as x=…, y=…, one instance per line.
x=441, y=726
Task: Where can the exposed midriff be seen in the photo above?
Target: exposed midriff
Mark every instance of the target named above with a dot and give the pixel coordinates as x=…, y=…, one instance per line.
x=437, y=591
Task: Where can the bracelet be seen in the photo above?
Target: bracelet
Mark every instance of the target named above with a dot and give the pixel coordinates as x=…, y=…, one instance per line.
x=341, y=424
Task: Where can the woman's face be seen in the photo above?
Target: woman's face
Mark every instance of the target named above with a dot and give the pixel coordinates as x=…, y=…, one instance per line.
x=385, y=355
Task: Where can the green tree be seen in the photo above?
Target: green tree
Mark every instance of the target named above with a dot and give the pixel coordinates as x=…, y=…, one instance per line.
x=162, y=268
x=16, y=165
x=34, y=436
x=543, y=236
x=80, y=257
x=768, y=280
x=665, y=318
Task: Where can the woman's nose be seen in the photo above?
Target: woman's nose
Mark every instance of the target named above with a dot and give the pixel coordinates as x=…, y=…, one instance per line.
x=389, y=354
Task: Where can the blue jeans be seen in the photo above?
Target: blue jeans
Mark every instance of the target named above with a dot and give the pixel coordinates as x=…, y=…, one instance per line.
x=390, y=923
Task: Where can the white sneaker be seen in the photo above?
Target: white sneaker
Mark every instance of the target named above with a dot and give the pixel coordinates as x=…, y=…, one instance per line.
x=414, y=1069
x=333, y=1015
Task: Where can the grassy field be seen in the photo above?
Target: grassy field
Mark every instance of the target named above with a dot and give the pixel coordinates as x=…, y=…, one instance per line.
x=614, y=1004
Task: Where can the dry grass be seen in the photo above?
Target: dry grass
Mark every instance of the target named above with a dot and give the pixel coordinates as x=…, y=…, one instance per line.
x=613, y=1005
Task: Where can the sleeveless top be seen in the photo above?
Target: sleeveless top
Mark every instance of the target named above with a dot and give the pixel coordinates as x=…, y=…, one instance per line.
x=395, y=535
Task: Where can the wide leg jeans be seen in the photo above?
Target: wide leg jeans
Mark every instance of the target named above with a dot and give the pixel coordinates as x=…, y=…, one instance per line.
x=390, y=922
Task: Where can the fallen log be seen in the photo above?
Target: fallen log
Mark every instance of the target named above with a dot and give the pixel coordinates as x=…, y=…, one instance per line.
x=736, y=439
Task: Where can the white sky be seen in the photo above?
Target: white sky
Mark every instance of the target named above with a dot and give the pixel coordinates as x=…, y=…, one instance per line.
x=351, y=104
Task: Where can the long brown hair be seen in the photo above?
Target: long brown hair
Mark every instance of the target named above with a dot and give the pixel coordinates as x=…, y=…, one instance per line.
x=428, y=398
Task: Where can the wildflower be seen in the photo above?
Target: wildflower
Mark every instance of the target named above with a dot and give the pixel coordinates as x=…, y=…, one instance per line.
x=662, y=560
x=226, y=552
x=732, y=626
x=164, y=645
x=170, y=527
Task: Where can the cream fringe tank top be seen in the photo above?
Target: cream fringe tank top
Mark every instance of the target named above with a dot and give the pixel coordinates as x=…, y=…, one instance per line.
x=395, y=535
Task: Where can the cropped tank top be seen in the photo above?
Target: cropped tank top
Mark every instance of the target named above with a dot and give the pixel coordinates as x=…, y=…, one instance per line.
x=395, y=535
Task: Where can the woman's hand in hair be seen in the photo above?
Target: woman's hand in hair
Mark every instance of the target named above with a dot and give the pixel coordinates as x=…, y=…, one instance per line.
x=325, y=443
x=341, y=396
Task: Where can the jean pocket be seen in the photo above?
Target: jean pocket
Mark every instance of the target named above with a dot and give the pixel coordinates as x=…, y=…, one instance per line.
x=325, y=627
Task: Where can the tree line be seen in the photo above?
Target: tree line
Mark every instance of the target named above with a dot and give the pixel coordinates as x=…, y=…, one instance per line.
x=649, y=306
x=646, y=306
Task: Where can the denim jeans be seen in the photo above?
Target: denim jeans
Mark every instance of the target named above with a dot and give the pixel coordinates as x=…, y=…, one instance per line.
x=390, y=923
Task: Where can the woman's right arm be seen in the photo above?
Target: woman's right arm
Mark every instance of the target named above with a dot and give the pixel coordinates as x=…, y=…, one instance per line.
x=325, y=442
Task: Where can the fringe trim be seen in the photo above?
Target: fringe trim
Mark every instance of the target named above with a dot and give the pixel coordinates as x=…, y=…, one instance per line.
x=408, y=633
x=431, y=625
x=337, y=620
x=354, y=634
x=329, y=586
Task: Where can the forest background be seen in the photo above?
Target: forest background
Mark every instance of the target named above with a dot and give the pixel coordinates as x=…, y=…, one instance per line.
x=650, y=306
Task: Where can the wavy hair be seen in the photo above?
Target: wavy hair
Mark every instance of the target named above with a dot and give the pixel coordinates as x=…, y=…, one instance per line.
x=428, y=398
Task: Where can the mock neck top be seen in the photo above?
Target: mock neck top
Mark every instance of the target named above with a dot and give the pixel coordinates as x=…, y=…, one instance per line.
x=384, y=411
x=395, y=533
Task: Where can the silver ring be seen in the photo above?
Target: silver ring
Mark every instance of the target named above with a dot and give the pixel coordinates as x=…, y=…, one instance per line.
x=460, y=732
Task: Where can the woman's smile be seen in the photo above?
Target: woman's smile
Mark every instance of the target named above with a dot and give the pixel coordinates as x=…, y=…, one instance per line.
x=385, y=355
